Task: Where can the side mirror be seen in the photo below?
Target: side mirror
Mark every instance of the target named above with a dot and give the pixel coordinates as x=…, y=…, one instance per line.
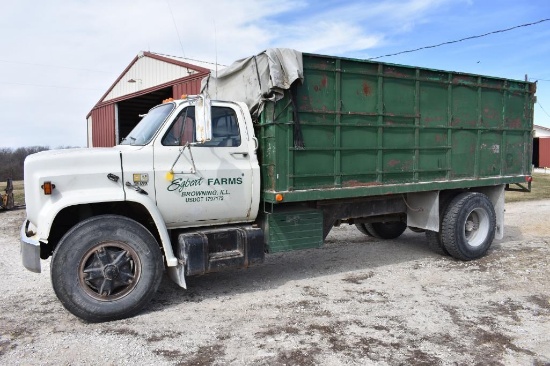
x=203, y=120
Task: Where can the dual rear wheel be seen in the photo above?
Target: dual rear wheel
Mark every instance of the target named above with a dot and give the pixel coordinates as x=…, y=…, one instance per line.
x=383, y=230
x=467, y=228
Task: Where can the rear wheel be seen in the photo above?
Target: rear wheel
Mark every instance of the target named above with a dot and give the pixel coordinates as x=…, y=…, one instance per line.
x=386, y=230
x=434, y=242
x=433, y=238
x=106, y=268
x=468, y=226
x=361, y=227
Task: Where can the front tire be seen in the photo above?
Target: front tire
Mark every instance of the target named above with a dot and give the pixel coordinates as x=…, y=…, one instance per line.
x=468, y=226
x=106, y=268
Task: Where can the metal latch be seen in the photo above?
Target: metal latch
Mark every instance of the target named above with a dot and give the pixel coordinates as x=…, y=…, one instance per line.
x=137, y=188
x=113, y=177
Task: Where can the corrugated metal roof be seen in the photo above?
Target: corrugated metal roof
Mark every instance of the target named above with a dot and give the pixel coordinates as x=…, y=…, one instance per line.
x=149, y=69
x=207, y=65
x=541, y=131
x=146, y=73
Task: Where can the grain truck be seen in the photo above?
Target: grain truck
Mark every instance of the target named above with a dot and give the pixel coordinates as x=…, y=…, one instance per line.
x=275, y=151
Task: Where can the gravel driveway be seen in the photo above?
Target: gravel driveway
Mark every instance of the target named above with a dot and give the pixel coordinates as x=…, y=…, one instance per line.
x=356, y=301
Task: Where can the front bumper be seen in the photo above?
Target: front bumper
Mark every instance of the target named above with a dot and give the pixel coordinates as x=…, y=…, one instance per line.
x=30, y=250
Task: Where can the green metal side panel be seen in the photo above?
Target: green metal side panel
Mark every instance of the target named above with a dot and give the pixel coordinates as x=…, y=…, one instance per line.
x=294, y=230
x=372, y=128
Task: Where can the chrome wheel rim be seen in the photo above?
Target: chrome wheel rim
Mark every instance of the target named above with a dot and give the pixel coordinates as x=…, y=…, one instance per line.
x=476, y=227
x=109, y=271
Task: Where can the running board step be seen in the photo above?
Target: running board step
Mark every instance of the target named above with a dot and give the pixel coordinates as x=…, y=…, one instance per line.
x=214, y=250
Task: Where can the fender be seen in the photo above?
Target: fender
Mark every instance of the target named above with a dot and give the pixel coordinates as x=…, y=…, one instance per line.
x=52, y=208
x=423, y=208
x=145, y=201
x=36, y=229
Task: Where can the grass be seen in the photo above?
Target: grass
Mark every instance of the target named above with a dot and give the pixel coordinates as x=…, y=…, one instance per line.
x=18, y=193
x=540, y=190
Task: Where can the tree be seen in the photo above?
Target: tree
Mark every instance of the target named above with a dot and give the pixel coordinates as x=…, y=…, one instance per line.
x=12, y=160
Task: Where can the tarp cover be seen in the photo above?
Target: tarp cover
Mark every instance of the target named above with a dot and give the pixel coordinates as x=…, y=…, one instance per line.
x=256, y=79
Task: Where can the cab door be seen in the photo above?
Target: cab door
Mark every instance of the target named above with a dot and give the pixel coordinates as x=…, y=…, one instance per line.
x=208, y=183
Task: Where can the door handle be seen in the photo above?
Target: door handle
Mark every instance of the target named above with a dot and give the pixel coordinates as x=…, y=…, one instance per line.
x=243, y=153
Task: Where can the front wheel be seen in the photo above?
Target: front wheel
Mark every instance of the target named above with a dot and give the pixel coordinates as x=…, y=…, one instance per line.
x=468, y=226
x=106, y=268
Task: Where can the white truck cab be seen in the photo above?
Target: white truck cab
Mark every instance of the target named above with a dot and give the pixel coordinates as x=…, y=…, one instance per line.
x=192, y=182
x=188, y=163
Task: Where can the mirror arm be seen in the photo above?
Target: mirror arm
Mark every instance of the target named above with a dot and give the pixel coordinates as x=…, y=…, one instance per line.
x=178, y=158
x=193, y=168
x=188, y=145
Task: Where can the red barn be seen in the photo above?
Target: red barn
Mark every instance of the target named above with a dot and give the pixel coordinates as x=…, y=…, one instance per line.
x=148, y=79
x=541, y=147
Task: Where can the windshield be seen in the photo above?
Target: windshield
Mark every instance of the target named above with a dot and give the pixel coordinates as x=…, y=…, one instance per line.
x=148, y=126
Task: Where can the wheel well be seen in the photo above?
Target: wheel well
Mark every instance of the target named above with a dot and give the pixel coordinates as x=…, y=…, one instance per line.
x=70, y=216
x=430, y=217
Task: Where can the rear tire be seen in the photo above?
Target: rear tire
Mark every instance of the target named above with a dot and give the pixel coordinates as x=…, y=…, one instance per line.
x=434, y=242
x=106, y=268
x=468, y=226
x=386, y=230
x=433, y=238
x=363, y=229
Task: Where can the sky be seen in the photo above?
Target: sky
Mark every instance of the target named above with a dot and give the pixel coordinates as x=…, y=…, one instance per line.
x=57, y=60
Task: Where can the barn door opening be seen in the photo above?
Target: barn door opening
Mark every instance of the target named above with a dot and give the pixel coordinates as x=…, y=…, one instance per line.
x=129, y=110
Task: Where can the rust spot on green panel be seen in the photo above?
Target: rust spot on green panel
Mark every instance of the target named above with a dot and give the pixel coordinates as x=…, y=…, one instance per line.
x=514, y=123
x=323, y=85
x=440, y=138
x=366, y=89
x=393, y=163
x=387, y=126
x=356, y=183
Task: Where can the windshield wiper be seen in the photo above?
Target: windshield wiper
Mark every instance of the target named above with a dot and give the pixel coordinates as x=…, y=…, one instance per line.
x=128, y=137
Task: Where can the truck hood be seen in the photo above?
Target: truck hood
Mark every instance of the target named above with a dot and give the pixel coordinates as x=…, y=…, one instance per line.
x=82, y=170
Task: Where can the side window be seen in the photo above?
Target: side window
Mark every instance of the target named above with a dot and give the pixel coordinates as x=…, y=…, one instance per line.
x=225, y=128
x=182, y=130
